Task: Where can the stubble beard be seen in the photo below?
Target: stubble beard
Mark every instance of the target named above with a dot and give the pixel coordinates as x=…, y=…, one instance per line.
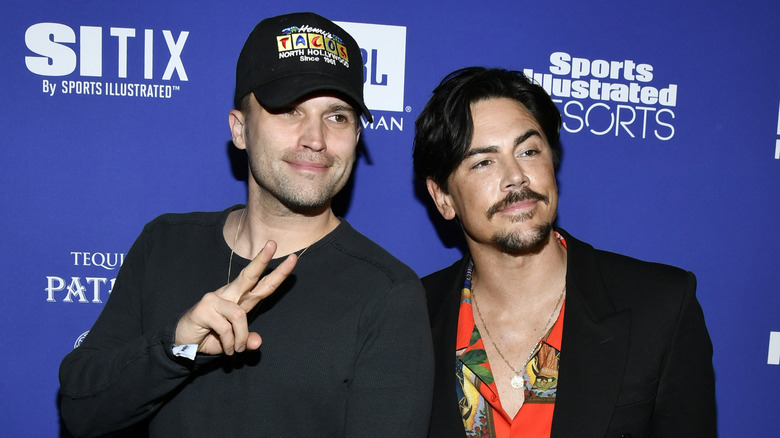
x=302, y=198
x=302, y=194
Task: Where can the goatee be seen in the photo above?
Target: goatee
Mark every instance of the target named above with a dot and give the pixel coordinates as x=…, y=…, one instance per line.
x=517, y=244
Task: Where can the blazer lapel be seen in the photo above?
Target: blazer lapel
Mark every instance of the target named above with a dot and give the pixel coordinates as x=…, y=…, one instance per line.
x=594, y=332
x=443, y=290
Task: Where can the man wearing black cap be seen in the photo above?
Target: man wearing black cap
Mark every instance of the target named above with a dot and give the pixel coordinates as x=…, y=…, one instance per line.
x=345, y=345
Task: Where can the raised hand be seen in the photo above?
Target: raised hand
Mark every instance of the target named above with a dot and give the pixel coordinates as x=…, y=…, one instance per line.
x=218, y=323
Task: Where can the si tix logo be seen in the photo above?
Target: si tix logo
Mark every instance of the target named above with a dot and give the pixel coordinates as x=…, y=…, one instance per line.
x=48, y=40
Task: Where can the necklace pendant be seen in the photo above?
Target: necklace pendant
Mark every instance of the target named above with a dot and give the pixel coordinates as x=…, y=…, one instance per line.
x=517, y=382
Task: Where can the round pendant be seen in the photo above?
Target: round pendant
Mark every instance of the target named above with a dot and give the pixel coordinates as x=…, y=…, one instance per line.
x=517, y=381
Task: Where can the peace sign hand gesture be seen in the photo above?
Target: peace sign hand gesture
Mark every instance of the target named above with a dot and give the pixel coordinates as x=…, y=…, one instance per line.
x=218, y=323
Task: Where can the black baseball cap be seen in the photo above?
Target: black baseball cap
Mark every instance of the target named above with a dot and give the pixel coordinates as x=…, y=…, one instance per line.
x=291, y=56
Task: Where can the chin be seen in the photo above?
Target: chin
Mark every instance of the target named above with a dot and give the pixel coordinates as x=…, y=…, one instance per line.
x=523, y=243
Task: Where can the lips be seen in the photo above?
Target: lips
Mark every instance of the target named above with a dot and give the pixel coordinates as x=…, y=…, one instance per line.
x=309, y=163
x=519, y=205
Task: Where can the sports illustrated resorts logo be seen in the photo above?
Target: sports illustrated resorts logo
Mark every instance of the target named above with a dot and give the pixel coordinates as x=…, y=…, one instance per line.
x=383, y=49
x=609, y=97
x=57, y=51
x=85, y=288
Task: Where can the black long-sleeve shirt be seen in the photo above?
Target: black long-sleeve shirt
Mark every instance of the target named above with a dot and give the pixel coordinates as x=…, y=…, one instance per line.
x=346, y=344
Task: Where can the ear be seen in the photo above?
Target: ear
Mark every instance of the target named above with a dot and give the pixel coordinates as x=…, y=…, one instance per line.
x=236, y=120
x=441, y=199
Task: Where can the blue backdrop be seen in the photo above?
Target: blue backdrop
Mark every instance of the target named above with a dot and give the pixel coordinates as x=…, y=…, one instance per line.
x=114, y=112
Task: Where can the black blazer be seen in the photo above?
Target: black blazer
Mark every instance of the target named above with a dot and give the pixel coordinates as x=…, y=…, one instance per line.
x=636, y=358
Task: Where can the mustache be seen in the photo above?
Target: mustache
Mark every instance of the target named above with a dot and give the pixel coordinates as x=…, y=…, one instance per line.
x=516, y=196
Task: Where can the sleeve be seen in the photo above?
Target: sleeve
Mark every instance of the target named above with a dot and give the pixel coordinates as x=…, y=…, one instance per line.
x=685, y=402
x=120, y=375
x=391, y=393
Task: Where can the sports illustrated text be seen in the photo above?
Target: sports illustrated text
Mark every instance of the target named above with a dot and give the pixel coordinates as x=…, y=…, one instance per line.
x=57, y=51
x=609, y=97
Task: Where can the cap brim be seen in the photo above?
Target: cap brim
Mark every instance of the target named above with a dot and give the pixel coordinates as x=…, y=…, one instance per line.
x=281, y=92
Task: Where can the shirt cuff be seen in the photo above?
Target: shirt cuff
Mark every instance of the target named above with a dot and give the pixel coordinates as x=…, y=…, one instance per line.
x=186, y=350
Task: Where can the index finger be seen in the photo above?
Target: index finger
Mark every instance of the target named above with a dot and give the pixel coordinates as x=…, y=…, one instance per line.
x=268, y=284
x=248, y=278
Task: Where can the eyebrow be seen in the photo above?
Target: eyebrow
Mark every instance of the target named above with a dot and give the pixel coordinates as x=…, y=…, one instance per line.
x=490, y=149
x=341, y=107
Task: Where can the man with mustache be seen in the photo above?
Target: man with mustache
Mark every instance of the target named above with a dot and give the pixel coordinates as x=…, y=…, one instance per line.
x=535, y=332
x=346, y=351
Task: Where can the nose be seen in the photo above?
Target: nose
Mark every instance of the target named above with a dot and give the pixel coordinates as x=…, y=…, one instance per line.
x=513, y=176
x=313, y=134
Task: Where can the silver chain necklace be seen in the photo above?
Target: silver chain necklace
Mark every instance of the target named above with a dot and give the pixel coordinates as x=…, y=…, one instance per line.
x=517, y=380
x=235, y=239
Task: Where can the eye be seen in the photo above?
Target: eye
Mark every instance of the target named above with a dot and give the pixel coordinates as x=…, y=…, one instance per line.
x=339, y=118
x=530, y=152
x=480, y=164
x=288, y=111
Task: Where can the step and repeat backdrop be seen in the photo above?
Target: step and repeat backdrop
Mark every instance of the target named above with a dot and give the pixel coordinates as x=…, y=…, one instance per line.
x=116, y=112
